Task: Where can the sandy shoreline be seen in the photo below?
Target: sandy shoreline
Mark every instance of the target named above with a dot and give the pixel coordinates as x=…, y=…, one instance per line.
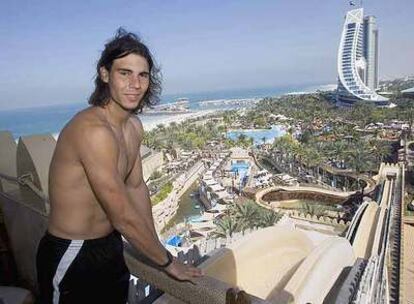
x=166, y=120
x=178, y=118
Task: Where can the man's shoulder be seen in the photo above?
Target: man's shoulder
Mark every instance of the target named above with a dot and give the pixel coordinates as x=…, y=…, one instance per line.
x=88, y=118
x=136, y=125
x=88, y=126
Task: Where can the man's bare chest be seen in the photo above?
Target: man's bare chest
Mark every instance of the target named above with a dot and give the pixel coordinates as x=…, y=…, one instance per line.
x=128, y=152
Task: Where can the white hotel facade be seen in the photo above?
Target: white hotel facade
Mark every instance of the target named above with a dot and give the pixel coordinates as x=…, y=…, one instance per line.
x=358, y=61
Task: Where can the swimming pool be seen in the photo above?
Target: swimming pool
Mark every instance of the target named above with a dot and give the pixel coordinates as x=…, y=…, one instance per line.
x=175, y=240
x=258, y=135
x=241, y=170
x=195, y=219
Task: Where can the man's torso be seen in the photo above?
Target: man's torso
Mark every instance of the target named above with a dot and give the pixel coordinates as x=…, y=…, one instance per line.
x=75, y=210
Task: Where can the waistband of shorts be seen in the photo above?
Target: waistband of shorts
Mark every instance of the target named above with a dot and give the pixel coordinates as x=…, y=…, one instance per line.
x=114, y=235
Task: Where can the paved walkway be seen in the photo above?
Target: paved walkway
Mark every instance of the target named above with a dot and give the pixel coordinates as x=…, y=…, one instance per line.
x=408, y=266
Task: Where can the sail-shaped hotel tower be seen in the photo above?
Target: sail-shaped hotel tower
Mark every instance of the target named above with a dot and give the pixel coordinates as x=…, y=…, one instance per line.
x=358, y=61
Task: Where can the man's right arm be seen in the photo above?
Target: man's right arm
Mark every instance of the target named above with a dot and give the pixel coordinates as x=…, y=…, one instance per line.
x=99, y=154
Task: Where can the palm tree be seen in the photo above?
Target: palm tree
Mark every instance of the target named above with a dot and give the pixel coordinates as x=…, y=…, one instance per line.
x=226, y=226
x=313, y=209
x=250, y=215
x=149, y=139
x=361, y=113
x=269, y=218
x=299, y=153
x=246, y=214
x=173, y=125
x=160, y=127
x=308, y=157
x=242, y=137
x=339, y=150
x=409, y=116
x=359, y=157
x=317, y=159
x=380, y=149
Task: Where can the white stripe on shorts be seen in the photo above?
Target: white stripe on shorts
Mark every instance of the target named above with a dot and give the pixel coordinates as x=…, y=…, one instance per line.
x=67, y=259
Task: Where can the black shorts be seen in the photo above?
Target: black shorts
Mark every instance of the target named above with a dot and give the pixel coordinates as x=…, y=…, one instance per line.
x=82, y=271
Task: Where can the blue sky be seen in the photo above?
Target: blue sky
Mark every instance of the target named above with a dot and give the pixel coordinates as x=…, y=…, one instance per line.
x=49, y=48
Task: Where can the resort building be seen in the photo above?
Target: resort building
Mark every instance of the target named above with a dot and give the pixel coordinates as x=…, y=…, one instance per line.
x=239, y=154
x=151, y=161
x=211, y=190
x=408, y=92
x=358, y=61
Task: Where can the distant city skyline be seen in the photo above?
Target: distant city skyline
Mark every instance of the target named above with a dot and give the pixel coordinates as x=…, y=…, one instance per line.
x=49, y=48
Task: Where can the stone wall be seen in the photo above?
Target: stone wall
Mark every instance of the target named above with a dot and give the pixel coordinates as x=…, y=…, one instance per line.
x=151, y=163
x=282, y=195
x=24, y=211
x=322, y=219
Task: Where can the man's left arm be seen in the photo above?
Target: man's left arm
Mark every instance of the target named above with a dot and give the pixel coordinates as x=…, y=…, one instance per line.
x=139, y=195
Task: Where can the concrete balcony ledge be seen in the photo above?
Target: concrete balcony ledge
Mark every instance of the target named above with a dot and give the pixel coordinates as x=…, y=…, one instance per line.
x=206, y=290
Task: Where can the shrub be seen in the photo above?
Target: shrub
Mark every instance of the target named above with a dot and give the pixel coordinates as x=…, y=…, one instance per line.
x=162, y=194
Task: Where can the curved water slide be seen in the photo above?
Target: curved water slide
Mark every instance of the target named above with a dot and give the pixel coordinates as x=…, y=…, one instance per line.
x=367, y=227
x=353, y=227
x=382, y=218
x=262, y=262
x=318, y=272
x=362, y=230
x=282, y=265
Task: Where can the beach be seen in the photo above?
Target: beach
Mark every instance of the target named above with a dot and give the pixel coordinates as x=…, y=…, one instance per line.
x=150, y=122
x=178, y=118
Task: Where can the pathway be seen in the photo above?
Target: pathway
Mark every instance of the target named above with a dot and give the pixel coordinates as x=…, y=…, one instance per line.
x=408, y=266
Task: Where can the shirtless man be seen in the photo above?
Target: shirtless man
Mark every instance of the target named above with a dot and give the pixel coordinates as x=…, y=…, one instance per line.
x=96, y=188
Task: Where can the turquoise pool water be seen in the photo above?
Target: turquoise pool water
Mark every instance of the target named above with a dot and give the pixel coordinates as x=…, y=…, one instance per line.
x=240, y=169
x=258, y=135
x=195, y=219
x=188, y=207
x=175, y=240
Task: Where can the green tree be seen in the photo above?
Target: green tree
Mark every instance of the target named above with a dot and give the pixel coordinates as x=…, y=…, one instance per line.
x=269, y=218
x=227, y=225
x=162, y=194
x=260, y=122
x=155, y=175
x=313, y=209
x=380, y=149
x=360, y=157
x=246, y=214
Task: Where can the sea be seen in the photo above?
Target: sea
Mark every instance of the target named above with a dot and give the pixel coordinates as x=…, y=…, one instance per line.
x=51, y=119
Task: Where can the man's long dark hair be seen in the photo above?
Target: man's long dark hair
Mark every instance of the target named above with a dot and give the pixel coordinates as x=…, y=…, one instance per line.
x=123, y=44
